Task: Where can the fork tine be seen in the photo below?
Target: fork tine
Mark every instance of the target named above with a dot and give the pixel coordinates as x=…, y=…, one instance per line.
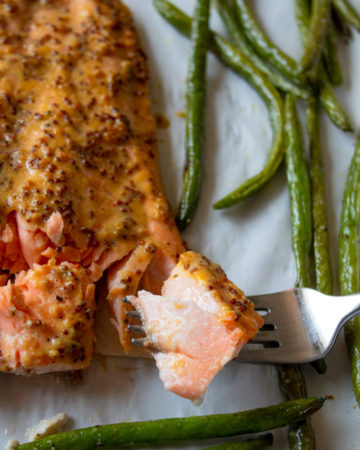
x=134, y=314
x=269, y=320
x=265, y=336
x=135, y=328
x=261, y=356
x=145, y=343
x=141, y=342
x=272, y=301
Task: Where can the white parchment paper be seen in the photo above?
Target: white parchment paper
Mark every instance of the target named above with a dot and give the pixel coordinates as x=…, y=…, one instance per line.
x=251, y=242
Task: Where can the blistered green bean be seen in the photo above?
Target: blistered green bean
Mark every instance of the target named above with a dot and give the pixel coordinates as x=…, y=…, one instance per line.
x=315, y=36
x=291, y=380
x=263, y=45
x=326, y=94
x=330, y=58
x=349, y=260
x=323, y=271
x=347, y=12
x=162, y=431
x=250, y=444
x=238, y=38
x=300, y=194
x=195, y=115
x=241, y=64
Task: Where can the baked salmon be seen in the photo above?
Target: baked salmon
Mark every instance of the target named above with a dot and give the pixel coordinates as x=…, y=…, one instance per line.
x=199, y=323
x=81, y=198
x=80, y=190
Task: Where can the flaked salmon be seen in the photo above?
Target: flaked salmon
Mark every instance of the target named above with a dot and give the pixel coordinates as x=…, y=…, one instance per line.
x=198, y=324
x=81, y=195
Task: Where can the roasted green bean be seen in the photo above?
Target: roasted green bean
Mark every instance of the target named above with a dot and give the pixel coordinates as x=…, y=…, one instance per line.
x=326, y=94
x=330, y=58
x=242, y=65
x=349, y=260
x=130, y=434
x=195, y=115
x=302, y=14
x=347, y=12
x=263, y=45
x=341, y=25
x=332, y=106
x=301, y=204
x=315, y=36
x=250, y=444
x=239, y=40
x=300, y=195
x=323, y=272
x=291, y=380
x=292, y=384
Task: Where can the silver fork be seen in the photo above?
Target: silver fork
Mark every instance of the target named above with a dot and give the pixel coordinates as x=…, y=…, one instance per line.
x=300, y=325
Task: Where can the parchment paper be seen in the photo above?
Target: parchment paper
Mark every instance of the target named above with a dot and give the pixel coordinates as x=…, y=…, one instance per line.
x=251, y=242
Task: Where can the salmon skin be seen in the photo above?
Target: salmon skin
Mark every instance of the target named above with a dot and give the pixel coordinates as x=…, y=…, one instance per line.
x=81, y=194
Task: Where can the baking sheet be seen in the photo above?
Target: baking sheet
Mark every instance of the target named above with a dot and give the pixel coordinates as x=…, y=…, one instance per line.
x=251, y=242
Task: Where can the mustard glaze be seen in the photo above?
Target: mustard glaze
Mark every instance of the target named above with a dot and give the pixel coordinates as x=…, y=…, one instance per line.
x=76, y=132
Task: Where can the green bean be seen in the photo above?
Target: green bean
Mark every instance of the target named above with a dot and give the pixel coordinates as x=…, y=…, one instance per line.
x=302, y=207
x=319, y=214
x=242, y=65
x=239, y=40
x=195, y=115
x=300, y=194
x=130, y=434
x=341, y=25
x=323, y=272
x=330, y=58
x=326, y=94
x=263, y=45
x=347, y=12
x=315, y=36
x=250, y=444
x=292, y=384
x=349, y=260
x=332, y=106
x=303, y=14
x=291, y=381
x=290, y=376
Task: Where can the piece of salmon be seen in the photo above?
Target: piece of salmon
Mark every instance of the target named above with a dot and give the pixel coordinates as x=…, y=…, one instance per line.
x=199, y=323
x=79, y=182
x=81, y=194
x=46, y=319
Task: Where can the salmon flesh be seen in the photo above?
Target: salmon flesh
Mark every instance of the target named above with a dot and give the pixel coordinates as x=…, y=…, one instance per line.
x=199, y=323
x=81, y=193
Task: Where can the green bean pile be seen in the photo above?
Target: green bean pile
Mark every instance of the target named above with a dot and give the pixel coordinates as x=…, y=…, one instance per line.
x=280, y=80
x=270, y=72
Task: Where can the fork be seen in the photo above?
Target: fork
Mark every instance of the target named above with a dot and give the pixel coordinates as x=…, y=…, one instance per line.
x=300, y=325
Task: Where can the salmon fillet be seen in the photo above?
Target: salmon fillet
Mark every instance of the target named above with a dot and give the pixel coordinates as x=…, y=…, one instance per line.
x=199, y=323
x=81, y=200
x=79, y=182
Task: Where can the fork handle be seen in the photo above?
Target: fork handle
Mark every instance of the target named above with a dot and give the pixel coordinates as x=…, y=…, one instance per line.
x=338, y=309
x=347, y=307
